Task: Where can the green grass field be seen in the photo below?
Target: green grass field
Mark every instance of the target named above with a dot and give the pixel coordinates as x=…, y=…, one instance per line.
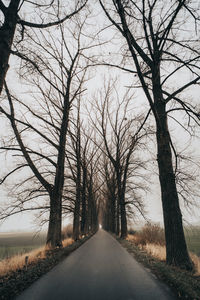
x=193, y=239
x=18, y=243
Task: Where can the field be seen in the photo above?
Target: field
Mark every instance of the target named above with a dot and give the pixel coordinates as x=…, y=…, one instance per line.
x=193, y=239
x=19, y=243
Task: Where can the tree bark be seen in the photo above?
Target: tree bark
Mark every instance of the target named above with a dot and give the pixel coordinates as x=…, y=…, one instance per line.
x=176, y=248
x=117, y=219
x=113, y=213
x=121, y=199
x=83, y=201
x=124, y=230
x=76, y=222
x=7, y=32
x=55, y=218
x=55, y=221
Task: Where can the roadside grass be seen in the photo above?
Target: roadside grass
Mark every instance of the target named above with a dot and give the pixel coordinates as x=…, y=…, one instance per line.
x=9, y=251
x=159, y=252
x=20, y=261
x=184, y=284
x=20, y=276
x=151, y=239
x=148, y=247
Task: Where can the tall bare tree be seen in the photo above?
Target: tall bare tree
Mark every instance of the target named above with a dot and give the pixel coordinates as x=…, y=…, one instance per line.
x=162, y=44
x=57, y=71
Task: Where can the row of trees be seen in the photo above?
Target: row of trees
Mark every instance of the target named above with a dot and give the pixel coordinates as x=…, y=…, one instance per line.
x=55, y=69
x=122, y=136
x=96, y=171
x=157, y=41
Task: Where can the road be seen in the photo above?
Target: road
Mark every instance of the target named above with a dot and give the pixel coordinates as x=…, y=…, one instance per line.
x=101, y=269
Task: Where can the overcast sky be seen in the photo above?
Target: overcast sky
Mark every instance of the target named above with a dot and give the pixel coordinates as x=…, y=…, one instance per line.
x=26, y=222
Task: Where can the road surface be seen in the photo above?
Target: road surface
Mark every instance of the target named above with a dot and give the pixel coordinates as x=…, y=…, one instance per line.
x=101, y=269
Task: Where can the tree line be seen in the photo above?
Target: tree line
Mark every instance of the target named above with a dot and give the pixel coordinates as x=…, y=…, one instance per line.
x=95, y=168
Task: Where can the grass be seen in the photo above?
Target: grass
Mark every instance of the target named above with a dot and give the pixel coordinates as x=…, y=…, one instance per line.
x=21, y=261
x=12, y=244
x=17, y=250
x=151, y=239
x=159, y=252
x=148, y=246
x=19, y=276
x=19, y=243
x=184, y=284
x=192, y=235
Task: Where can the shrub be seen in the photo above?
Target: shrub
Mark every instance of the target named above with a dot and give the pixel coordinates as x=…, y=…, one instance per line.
x=150, y=234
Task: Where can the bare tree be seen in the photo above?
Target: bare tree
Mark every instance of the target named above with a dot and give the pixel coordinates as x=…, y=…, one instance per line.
x=83, y=159
x=159, y=41
x=57, y=72
x=13, y=20
x=120, y=143
x=110, y=209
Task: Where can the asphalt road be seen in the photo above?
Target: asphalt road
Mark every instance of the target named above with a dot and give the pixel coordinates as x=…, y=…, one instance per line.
x=101, y=269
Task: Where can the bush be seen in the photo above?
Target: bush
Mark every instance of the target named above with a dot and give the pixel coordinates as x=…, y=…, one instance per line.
x=150, y=234
x=67, y=232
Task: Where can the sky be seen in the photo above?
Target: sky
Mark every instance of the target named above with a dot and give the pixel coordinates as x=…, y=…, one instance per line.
x=26, y=221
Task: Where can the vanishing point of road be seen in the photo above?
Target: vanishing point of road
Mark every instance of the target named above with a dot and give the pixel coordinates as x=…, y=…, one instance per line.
x=101, y=269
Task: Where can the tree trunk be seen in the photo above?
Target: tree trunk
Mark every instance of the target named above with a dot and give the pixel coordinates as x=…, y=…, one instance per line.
x=54, y=238
x=55, y=220
x=176, y=248
x=117, y=219
x=94, y=218
x=76, y=223
x=113, y=213
x=83, y=202
x=7, y=32
x=124, y=230
x=121, y=199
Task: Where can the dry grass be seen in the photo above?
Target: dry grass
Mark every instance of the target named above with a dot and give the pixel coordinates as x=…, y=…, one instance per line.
x=150, y=234
x=196, y=261
x=159, y=251
x=19, y=261
x=67, y=242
